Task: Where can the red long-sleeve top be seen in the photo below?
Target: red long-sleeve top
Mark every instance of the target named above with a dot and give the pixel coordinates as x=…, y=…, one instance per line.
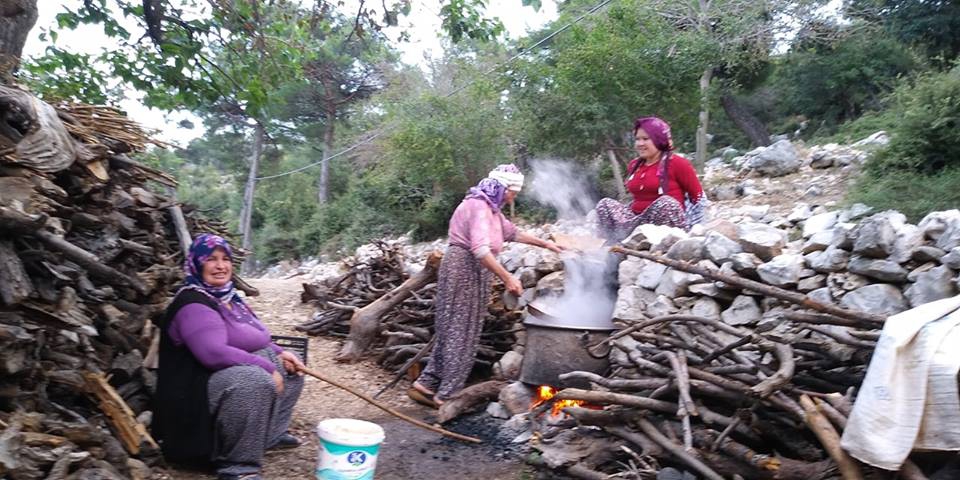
x=681, y=181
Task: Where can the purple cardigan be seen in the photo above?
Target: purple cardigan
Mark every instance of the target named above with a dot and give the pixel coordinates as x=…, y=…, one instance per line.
x=224, y=338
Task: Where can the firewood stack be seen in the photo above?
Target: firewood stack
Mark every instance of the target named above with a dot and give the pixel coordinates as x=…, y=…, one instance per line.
x=407, y=329
x=89, y=255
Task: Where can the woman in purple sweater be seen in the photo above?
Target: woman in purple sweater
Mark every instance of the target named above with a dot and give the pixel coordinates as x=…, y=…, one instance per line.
x=476, y=234
x=225, y=392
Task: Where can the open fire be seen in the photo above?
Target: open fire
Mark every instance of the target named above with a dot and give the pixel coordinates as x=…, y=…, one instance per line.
x=545, y=393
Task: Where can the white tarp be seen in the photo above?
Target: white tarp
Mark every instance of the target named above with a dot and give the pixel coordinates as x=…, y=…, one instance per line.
x=909, y=399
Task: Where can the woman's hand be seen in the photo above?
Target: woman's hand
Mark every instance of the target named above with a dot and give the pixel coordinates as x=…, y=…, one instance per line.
x=513, y=285
x=291, y=362
x=278, y=381
x=553, y=247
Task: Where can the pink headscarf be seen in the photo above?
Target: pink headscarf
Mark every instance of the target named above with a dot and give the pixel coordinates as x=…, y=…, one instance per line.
x=658, y=130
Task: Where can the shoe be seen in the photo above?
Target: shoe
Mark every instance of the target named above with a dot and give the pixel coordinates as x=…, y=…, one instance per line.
x=241, y=476
x=284, y=442
x=421, y=398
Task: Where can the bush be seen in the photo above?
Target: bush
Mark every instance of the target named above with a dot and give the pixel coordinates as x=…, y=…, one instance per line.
x=911, y=193
x=925, y=137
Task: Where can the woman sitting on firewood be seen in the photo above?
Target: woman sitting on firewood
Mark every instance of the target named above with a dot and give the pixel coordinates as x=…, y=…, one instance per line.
x=225, y=392
x=476, y=234
x=664, y=186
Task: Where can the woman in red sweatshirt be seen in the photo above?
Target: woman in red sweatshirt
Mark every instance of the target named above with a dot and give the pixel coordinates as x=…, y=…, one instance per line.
x=664, y=186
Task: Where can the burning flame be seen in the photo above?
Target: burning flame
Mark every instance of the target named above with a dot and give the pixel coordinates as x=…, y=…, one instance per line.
x=546, y=392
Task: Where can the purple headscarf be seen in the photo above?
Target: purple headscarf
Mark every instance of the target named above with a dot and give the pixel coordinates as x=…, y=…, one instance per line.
x=492, y=190
x=658, y=130
x=200, y=250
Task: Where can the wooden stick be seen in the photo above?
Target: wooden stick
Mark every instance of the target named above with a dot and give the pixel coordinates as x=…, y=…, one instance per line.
x=406, y=366
x=389, y=410
x=830, y=440
x=779, y=293
x=132, y=433
x=651, y=431
x=179, y=223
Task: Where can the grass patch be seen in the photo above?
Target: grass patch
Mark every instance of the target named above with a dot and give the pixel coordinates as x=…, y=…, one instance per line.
x=911, y=193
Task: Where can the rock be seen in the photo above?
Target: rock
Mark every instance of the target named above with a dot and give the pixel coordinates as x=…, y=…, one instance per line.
x=846, y=281
x=830, y=260
x=674, y=283
x=800, y=212
x=723, y=227
x=725, y=192
x=745, y=264
x=707, y=308
x=952, y=259
x=508, y=366
x=729, y=153
x=818, y=241
x=843, y=235
x=641, y=272
x=497, y=410
x=516, y=398
x=935, y=223
x=762, y=240
x=687, y=250
x=876, y=236
x=857, y=210
x=648, y=235
x=877, y=139
x=719, y=248
x=783, y=271
x=528, y=276
x=925, y=253
x=549, y=263
x=776, y=160
x=744, y=310
x=671, y=473
x=707, y=290
x=819, y=223
x=915, y=273
x=934, y=284
x=879, y=299
x=812, y=283
x=551, y=285
x=909, y=238
x=632, y=302
x=661, y=306
x=754, y=212
x=950, y=238
x=812, y=192
x=821, y=295
x=883, y=270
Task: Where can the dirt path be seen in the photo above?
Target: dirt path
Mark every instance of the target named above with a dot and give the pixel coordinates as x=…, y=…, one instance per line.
x=408, y=451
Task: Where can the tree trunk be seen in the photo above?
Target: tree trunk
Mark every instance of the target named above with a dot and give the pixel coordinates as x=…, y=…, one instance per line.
x=615, y=166
x=365, y=322
x=704, y=119
x=17, y=18
x=246, y=213
x=750, y=125
x=323, y=190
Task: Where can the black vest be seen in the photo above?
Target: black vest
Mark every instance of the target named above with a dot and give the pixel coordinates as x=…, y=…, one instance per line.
x=182, y=423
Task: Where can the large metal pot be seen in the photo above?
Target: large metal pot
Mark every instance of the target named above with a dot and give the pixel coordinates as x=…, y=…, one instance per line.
x=555, y=347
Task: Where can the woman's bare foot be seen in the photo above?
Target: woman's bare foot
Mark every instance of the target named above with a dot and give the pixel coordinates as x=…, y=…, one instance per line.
x=422, y=389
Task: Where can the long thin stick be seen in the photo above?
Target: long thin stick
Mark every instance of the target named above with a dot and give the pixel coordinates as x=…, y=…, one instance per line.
x=403, y=370
x=390, y=410
x=830, y=439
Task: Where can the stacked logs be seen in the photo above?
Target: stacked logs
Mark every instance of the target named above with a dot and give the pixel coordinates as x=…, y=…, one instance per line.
x=377, y=296
x=89, y=255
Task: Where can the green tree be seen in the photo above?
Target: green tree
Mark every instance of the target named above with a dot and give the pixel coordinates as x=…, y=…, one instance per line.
x=837, y=80
x=933, y=25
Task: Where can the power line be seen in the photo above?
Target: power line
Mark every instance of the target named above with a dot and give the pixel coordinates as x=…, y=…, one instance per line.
x=455, y=91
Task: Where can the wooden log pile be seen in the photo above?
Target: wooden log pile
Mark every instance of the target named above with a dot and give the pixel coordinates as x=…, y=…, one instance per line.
x=394, y=310
x=88, y=255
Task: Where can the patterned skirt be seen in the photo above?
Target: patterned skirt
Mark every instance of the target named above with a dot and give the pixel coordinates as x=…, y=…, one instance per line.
x=616, y=221
x=463, y=291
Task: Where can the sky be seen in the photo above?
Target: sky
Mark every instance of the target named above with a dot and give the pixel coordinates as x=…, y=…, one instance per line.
x=423, y=25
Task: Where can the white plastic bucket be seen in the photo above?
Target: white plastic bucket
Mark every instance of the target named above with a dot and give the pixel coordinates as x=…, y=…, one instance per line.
x=348, y=449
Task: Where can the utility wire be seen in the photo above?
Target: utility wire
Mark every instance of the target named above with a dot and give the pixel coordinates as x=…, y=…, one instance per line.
x=455, y=91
